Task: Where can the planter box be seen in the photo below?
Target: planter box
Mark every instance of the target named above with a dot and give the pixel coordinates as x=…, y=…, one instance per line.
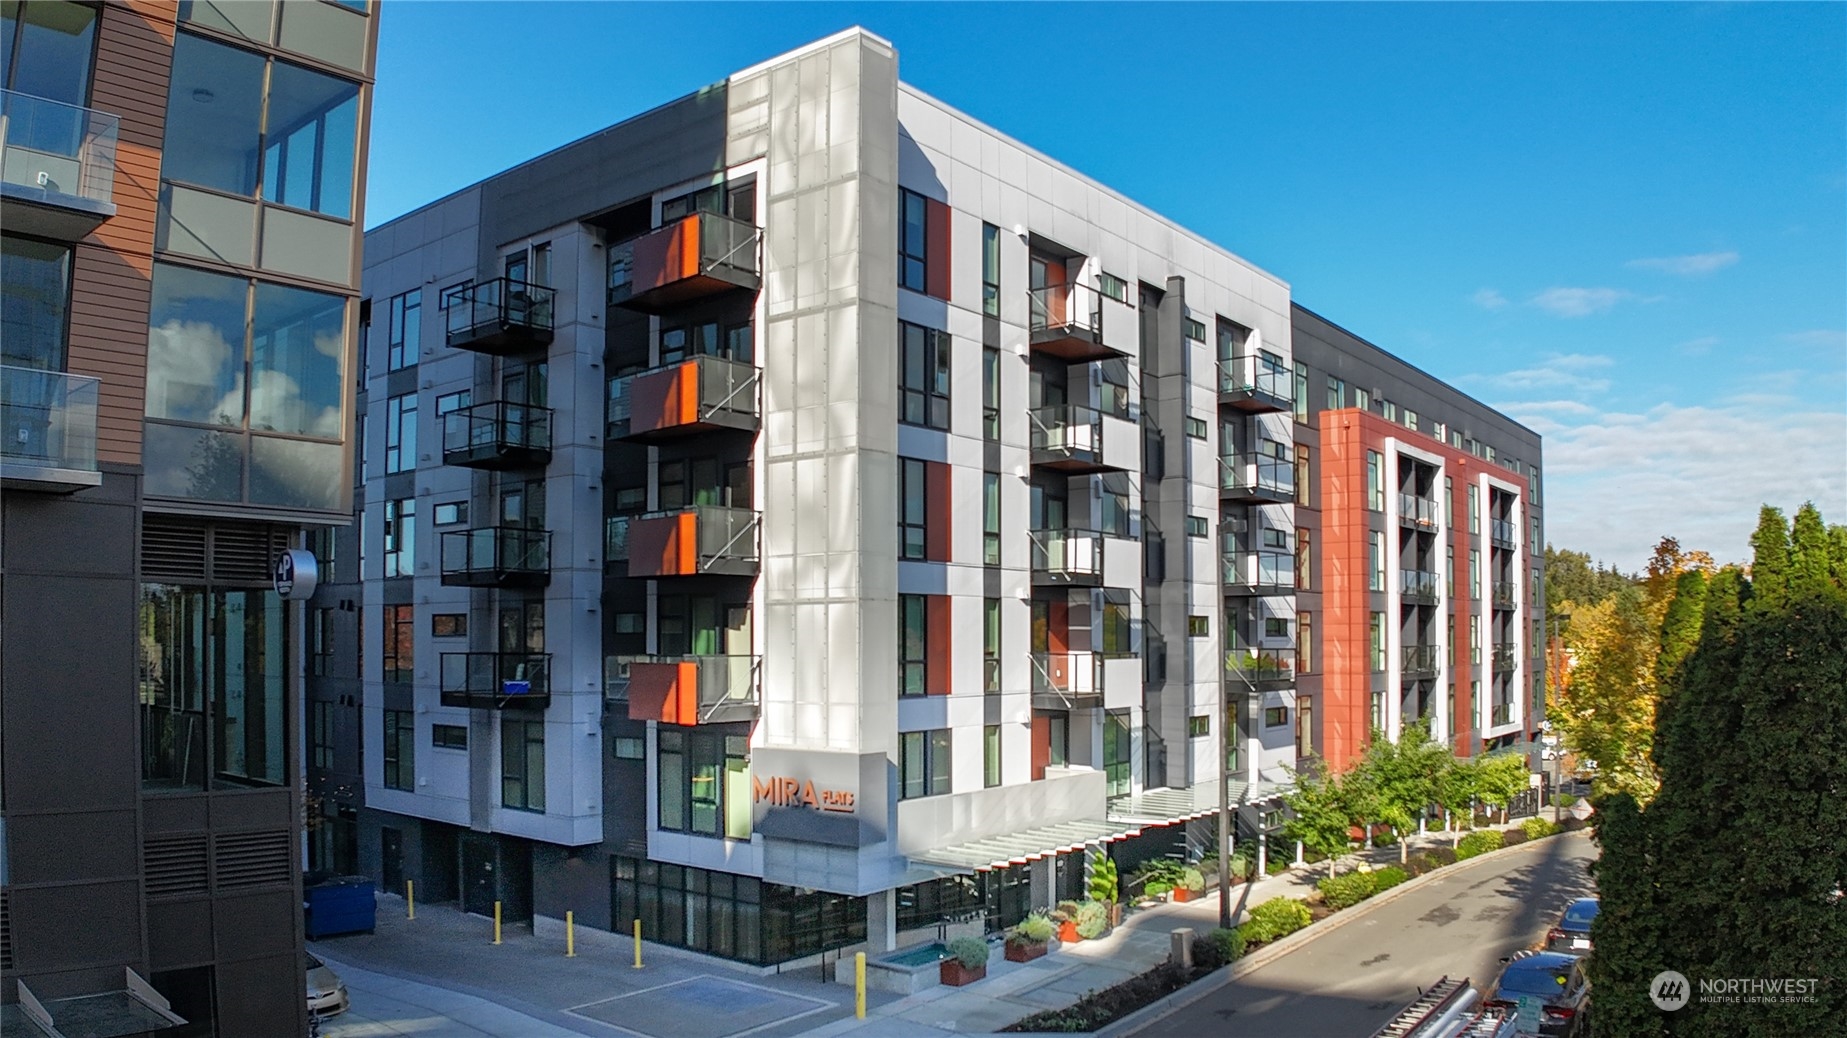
x=1067, y=932
x=1183, y=894
x=1115, y=914
x=955, y=974
x=1025, y=952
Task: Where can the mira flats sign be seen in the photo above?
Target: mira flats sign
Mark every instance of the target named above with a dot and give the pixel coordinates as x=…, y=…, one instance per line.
x=781, y=791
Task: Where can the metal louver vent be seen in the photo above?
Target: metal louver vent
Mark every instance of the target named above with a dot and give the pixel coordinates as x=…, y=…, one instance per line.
x=251, y=859
x=174, y=865
x=222, y=554
x=172, y=551
x=245, y=554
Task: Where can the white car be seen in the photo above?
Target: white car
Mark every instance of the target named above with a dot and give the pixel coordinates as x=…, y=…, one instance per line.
x=326, y=991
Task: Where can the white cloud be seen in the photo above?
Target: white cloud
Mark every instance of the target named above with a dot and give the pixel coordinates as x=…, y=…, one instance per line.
x=1825, y=338
x=1697, y=265
x=1489, y=299
x=1618, y=482
x=1578, y=302
x=1528, y=411
x=1697, y=347
x=1569, y=372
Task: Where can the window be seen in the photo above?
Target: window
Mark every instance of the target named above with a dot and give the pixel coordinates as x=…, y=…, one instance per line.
x=1275, y=537
x=1376, y=556
x=1199, y=726
x=449, y=625
x=1113, y=514
x=449, y=736
x=990, y=519
x=1198, y=627
x=450, y=513
x=1196, y=427
x=1275, y=627
x=990, y=645
x=1304, y=643
x=400, y=746
x=990, y=393
x=628, y=747
x=1113, y=287
x=404, y=333
x=400, y=637
x=452, y=293
x=401, y=537
x=401, y=433
x=913, y=241
x=1304, y=579
x=1474, y=508
x=1455, y=438
x=1337, y=390
x=912, y=513
x=1197, y=526
x=1302, y=483
x=320, y=733
x=320, y=642
x=913, y=644
x=704, y=782
x=37, y=279
x=1301, y=392
x=522, y=764
x=1439, y=431
x=1389, y=409
x=1058, y=740
x=1378, y=710
x=1452, y=640
x=990, y=756
x=1474, y=571
x=1449, y=503
x=1410, y=419
x=1375, y=481
x=1378, y=642
x=1362, y=399
x=47, y=52
x=1194, y=330
x=923, y=373
x=923, y=763
x=1449, y=572
x=990, y=270
x=1275, y=716
x=1474, y=639
x=453, y=402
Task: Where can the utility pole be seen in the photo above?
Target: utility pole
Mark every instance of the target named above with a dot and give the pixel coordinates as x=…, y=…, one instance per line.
x=1557, y=649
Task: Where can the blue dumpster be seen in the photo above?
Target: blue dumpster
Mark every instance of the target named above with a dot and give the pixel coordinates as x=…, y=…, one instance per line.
x=341, y=904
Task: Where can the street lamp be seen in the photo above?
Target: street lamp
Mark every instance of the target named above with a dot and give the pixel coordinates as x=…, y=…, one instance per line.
x=1557, y=651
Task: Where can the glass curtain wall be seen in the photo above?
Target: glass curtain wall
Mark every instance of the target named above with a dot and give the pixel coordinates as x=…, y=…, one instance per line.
x=213, y=668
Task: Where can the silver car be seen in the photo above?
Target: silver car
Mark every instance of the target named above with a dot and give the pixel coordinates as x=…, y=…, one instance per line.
x=326, y=991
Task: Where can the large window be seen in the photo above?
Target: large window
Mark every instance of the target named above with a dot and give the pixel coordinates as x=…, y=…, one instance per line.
x=320, y=734
x=1304, y=568
x=1376, y=556
x=46, y=52
x=923, y=763
x=704, y=782
x=990, y=518
x=990, y=270
x=923, y=376
x=1304, y=643
x=990, y=756
x=401, y=537
x=1474, y=508
x=400, y=746
x=401, y=433
x=1378, y=643
x=522, y=764
x=400, y=641
x=213, y=673
x=738, y=917
x=990, y=645
x=1375, y=481
x=913, y=512
x=990, y=393
x=913, y=235
x=35, y=292
x=308, y=147
x=403, y=331
x=913, y=644
x=1300, y=398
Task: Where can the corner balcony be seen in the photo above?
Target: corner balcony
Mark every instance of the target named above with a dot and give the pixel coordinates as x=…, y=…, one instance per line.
x=1075, y=440
x=57, y=167
x=1248, y=384
x=1083, y=558
x=1505, y=594
x=1501, y=534
x=1419, y=661
x=1418, y=513
x=703, y=539
x=1077, y=323
x=1256, y=479
x=1260, y=670
x=691, y=690
x=705, y=394
x=694, y=258
x=497, y=556
x=47, y=430
x=500, y=317
x=498, y=435
x=1259, y=573
x=496, y=680
x=1503, y=658
x=1419, y=587
x=1085, y=680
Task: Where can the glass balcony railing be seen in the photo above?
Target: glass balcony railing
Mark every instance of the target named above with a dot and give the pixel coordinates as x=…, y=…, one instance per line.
x=694, y=689
x=498, y=435
x=1260, y=668
x=1501, y=533
x=698, y=539
x=496, y=680
x=1259, y=573
x=1077, y=323
x=500, y=316
x=1420, y=659
x=1503, y=657
x=497, y=556
x=57, y=165
x=1255, y=385
x=700, y=394
x=1069, y=556
x=1071, y=438
x=1419, y=586
x=48, y=429
x=1505, y=593
x=1254, y=478
x=682, y=262
x=1420, y=512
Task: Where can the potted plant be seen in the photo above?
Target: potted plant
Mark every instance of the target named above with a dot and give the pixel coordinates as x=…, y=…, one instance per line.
x=1065, y=916
x=1157, y=889
x=966, y=963
x=1104, y=886
x=1192, y=884
x=1030, y=938
x=1092, y=919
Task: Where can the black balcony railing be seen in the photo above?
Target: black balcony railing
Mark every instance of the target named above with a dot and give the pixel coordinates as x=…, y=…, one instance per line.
x=1260, y=669
x=498, y=435
x=1420, y=660
x=1501, y=533
x=1255, y=478
x=693, y=258
x=500, y=316
x=1506, y=594
x=1419, y=586
x=1255, y=385
x=497, y=556
x=1418, y=512
x=1503, y=656
x=496, y=680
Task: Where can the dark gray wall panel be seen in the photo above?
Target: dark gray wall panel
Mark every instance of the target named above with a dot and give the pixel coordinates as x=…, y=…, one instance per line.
x=179, y=933
x=73, y=847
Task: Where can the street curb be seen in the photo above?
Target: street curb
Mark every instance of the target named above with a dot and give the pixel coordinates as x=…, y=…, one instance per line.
x=1199, y=989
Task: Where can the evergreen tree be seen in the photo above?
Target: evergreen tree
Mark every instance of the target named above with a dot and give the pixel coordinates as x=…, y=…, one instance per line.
x=1626, y=935
x=1837, y=554
x=1809, y=553
x=1680, y=624
x=1770, y=559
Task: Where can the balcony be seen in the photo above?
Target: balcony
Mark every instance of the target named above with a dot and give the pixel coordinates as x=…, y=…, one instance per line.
x=1501, y=534
x=47, y=430
x=704, y=394
x=691, y=690
x=1256, y=479
x=1419, y=513
x=496, y=680
x=1503, y=658
x=1506, y=595
x=1420, y=661
x=700, y=256
x=1260, y=670
x=500, y=317
x=1076, y=439
x=498, y=435
x=703, y=539
x=1248, y=384
x=57, y=167
x=1259, y=573
x=1077, y=323
x=1419, y=587
x=497, y=556
x=1083, y=558
x=1085, y=680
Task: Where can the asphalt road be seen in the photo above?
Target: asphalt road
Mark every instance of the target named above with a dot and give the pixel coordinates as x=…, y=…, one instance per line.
x=1347, y=983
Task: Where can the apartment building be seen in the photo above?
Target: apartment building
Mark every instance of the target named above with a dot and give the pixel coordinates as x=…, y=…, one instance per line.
x=181, y=201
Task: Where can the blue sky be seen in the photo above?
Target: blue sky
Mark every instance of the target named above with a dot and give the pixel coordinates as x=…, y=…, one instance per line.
x=1625, y=225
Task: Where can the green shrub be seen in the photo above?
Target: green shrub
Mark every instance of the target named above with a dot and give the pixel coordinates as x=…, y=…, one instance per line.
x=1537, y=828
x=1217, y=948
x=1387, y=838
x=1034, y=929
x=1163, y=870
x=1442, y=855
x=971, y=952
x=1157, y=888
x=1479, y=842
x=1275, y=918
x=1274, y=865
x=1102, y=878
x=1565, y=800
x=1348, y=890
x=1512, y=837
x=1388, y=877
x=1242, y=866
x=1192, y=880
x=1092, y=919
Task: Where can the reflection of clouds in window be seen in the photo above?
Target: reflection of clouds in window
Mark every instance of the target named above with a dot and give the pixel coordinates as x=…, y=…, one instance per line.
x=276, y=405
x=191, y=375
x=195, y=463
x=298, y=361
x=295, y=473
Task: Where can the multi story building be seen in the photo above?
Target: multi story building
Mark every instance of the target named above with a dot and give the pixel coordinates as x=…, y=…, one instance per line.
x=181, y=200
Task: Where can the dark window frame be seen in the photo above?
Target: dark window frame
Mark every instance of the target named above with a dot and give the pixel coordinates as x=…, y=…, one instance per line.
x=399, y=342
x=913, y=646
x=399, y=745
x=444, y=737
x=924, y=376
x=913, y=509
x=932, y=753
x=913, y=241
x=398, y=633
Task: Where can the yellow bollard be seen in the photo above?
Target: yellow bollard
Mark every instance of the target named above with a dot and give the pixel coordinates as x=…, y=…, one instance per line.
x=859, y=985
x=570, y=937
x=496, y=922
x=637, y=944
x=410, y=899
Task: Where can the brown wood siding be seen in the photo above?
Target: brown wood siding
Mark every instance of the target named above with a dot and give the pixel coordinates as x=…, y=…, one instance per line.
x=110, y=288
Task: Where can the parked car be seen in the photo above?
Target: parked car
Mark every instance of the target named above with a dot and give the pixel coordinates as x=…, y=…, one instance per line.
x=1557, y=981
x=1572, y=934
x=326, y=991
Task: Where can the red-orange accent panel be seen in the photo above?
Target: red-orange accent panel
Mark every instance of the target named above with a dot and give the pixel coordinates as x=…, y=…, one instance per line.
x=664, y=399
x=1346, y=688
x=936, y=248
x=668, y=255
x=664, y=692
x=1042, y=745
x=1058, y=625
x=663, y=546
x=937, y=498
x=937, y=637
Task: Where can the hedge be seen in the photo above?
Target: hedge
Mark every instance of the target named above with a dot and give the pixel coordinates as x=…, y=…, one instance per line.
x=1348, y=890
x=1479, y=842
x=1217, y=948
x=1277, y=917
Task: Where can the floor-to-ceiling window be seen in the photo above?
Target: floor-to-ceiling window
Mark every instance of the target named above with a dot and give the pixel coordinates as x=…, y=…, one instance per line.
x=212, y=688
x=737, y=917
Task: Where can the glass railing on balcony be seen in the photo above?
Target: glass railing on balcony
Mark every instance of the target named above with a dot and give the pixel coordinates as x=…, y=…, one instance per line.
x=500, y=316
x=1258, y=478
x=1420, y=659
x=1255, y=384
x=1069, y=556
x=1500, y=713
x=1259, y=572
x=1419, y=585
x=694, y=689
x=497, y=556
x=1506, y=594
x=48, y=429
x=1260, y=668
x=498, y=435
x=615, y=537
x=1075, y=323
x=1503, y=657
x=1071, y=438
x=699, y=394
x=1417, y=511
x=496, y=680
x=694, y=257
x=698, y=539
x=1501, y=533
x=57, y=162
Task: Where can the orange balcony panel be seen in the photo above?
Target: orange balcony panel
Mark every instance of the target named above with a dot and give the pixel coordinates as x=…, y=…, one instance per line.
x=664, y=546
x=668, y=255
x=664, y=692
x=665, y=399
